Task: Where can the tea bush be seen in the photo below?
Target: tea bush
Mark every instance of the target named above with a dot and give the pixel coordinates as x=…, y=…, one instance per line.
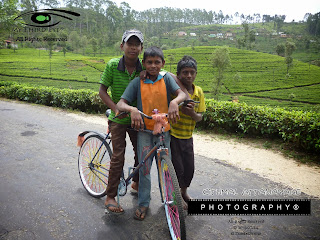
x=83, y=99
x=300, y=128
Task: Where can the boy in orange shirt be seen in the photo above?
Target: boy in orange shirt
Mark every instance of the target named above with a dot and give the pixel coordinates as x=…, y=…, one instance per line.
x=154, y=92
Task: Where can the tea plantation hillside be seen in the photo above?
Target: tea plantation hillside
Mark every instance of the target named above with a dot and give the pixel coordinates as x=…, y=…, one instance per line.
x=35, y=67
x=254, y=78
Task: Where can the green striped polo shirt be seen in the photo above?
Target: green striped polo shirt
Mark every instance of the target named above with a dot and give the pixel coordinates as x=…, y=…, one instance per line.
x=116, y=77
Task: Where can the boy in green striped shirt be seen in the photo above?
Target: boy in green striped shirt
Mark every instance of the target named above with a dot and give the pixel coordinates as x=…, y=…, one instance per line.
x=181, y=132
x=117, y=75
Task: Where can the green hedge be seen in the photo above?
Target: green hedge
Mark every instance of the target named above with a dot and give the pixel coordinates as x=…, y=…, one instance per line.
x=300, y=128
x=83, y=100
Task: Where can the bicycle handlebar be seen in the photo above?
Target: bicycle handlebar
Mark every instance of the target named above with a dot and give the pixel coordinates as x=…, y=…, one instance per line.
x=184, y=103
x=145, y=115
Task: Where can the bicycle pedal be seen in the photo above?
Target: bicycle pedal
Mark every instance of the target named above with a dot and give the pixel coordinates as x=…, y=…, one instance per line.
x=122, y=188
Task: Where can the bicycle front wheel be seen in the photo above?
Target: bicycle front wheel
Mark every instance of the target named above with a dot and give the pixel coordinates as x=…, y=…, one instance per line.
x=172, y=199
x=94, y=164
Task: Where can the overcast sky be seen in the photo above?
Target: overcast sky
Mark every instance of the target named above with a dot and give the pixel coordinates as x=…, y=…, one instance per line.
x=292, y=9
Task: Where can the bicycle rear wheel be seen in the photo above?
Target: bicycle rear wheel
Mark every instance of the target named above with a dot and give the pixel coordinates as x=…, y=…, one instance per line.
x=94, y=164
x=172, y=199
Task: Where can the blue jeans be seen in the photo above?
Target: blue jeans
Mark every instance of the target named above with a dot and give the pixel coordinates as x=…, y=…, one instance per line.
x=146, y=142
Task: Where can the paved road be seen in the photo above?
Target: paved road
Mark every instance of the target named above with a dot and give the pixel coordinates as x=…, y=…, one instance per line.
x=41, y=196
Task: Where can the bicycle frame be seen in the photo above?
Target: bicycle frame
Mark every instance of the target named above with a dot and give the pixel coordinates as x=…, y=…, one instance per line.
x=159, y=147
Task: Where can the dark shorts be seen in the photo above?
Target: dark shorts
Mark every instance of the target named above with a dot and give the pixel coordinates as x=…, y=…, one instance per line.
x=183, y=160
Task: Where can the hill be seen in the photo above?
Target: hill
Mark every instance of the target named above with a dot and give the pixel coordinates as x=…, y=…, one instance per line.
x=266, y=38
x=99, y=28
x=254, y=78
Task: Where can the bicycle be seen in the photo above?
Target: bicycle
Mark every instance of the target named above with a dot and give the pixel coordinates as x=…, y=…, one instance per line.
x=94, y=163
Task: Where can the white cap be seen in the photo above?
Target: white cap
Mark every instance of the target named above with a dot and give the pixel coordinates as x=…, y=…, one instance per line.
x=133, y=32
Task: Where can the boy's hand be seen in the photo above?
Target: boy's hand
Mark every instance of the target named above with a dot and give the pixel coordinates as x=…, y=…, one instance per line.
x=136, y=119
x=143, y=75
x=123, y=115
x=173, y=112
x=189, y=109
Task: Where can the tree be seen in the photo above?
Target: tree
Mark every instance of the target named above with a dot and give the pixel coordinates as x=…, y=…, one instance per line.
x=8, y=13
x=289, y=49
x=241, y=42
x=306, y=16
x=94, y=44
x=29, y=5
x=83, y=43
x=75, y=40
x=63, y=35
x=49, y=39
x=127, y=14
x=220, y=60
x=313, y=24
x=249, y=37
x=280, y=49
x=278, y=21
x=117, y=48
x=220, y=17
x=100, y=43
x=114, y=17
x=50, y=3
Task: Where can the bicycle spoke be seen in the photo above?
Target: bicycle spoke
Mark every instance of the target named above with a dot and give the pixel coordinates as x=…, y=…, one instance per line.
x=172, y=200
x=94, y=164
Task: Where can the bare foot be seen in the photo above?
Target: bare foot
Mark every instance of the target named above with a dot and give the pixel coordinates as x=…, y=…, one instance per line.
x=185, y=194
x=184, y=205
x=135, y=186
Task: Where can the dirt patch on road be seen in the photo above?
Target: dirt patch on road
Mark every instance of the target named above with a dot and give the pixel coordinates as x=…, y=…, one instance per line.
x=265, y=163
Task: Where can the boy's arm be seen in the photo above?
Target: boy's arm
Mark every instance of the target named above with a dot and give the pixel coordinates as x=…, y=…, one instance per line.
x=106, y=98
x=108, y=101
x=136, y=119
x=180, y=85
x=173, y=112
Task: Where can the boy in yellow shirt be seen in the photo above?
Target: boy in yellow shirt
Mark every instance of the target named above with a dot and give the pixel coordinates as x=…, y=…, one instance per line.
x=181, y=132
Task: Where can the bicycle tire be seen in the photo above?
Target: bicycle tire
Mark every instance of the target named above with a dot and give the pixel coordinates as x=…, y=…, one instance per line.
x=172, y=199
x=94, y=174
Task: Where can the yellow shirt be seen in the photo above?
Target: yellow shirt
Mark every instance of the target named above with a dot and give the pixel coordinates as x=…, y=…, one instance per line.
x=183, y=129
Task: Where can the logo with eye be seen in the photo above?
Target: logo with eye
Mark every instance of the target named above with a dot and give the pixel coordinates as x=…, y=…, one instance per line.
x=43, y=17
